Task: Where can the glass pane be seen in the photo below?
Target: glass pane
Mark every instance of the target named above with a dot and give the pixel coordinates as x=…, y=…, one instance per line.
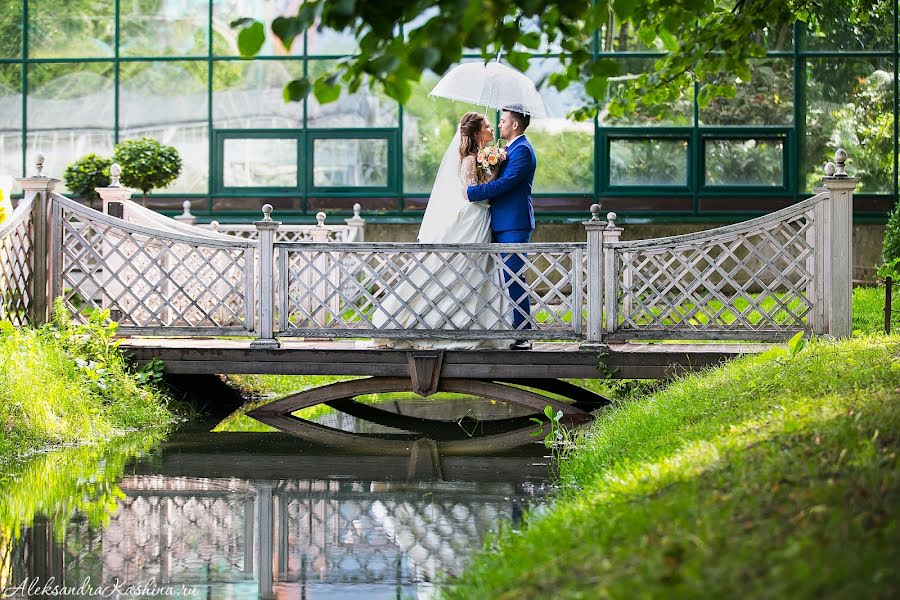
x=564, y=147
x=872, y=30
x=365, y=108
x=70, y=112
x=167, y=101
x=350, y=163
x=744, y=162
x=260, y=163
x=677, y=112
x=70, y=29
x=11, y=29
x=767, y=99
x=328, y=42
x=247, y=94
x=226, y=11
x=648, y=162
x=10, y=128
x=164, y=28
x=850, y=106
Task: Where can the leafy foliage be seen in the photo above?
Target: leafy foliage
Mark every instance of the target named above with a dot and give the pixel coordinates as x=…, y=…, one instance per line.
x=86, y=173
x=890, y=250
x=710, y=42
x=147, y=164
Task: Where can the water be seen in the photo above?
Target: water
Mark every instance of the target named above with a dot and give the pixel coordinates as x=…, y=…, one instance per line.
x=262, y=515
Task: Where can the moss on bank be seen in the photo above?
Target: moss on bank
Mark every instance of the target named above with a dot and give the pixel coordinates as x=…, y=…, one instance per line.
x=66, y=383
x=771, y=476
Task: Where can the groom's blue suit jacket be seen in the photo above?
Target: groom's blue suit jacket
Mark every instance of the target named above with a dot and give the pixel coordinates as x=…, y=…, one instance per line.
x=510, y=193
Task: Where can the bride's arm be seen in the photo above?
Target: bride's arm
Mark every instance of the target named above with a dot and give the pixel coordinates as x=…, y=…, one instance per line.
x=469, y=171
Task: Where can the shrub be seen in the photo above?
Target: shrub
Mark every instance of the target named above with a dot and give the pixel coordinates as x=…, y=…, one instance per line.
x=147, y=164
x=86, y=173
x=891, y=249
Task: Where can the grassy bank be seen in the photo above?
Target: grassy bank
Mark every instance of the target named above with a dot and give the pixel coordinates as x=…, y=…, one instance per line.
x=772, y=476
x=65, y=383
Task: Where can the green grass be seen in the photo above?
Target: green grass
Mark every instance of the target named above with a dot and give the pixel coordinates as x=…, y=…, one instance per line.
x=67, y=383
x=771, y=476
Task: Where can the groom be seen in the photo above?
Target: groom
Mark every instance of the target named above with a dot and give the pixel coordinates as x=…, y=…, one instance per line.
x=512, y=216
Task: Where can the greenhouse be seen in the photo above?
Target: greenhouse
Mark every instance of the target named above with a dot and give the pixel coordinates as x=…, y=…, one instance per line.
x=78, y=76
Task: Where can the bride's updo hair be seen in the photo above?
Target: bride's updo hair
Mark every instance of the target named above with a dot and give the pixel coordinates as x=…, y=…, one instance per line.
x=469, y=127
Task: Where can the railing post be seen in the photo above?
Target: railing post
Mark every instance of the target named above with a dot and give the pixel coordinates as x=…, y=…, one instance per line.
x=838, y=247
x=186, y=217
x=611, y=234
x=39, y=187
x=594, y=228
x=114, y=196
x=357, y=226
x=266, y=228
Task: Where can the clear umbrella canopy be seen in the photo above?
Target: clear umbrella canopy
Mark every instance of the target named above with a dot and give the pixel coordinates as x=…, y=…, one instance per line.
x=494, y=85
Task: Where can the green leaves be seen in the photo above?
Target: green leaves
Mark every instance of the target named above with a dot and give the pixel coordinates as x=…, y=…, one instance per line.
x=296, y=90
x=287, y=29
x=326, y=90
x=147, y=164
x=796, y=344
x=251, y=39
x=85, y=174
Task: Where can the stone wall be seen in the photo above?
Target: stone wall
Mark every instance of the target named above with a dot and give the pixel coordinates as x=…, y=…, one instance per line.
x=866, y=238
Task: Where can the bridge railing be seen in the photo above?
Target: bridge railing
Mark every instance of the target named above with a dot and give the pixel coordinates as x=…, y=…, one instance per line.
x=762, y=279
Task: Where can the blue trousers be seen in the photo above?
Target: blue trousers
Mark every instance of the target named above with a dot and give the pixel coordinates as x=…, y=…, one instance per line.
x=514, y=264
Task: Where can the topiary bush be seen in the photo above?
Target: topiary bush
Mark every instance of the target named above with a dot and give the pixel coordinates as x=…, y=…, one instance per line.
x=85, y=174
x=147, y=164
x=891, y=248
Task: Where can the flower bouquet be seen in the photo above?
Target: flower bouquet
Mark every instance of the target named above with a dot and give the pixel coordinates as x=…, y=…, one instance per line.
x=490, y=157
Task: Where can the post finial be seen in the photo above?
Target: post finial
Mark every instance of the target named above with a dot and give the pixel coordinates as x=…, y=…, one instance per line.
x=829, y=169
x=611, y=220
x=320, y=219
x=595, y=212
x=115, y=171
x=840, y=157
x=357, y=208
x=39, y=165
x=186, y=205
x=267, y=212
x=214, y=225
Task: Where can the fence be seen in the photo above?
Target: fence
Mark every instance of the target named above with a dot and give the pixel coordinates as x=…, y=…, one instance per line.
x=762, y=279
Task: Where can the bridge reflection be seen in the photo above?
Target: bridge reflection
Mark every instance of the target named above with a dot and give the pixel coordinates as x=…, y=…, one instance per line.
x=366, y=525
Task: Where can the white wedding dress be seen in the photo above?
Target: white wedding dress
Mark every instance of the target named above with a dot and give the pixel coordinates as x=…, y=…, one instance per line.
x=466, y=295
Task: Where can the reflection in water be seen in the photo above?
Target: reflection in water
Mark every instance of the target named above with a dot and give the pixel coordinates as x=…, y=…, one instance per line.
x=247, y=515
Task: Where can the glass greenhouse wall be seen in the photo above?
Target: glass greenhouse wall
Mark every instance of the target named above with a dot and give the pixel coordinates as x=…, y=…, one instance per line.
x=78, y=76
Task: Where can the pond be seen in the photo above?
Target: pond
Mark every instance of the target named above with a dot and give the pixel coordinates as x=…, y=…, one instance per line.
x=253, y=514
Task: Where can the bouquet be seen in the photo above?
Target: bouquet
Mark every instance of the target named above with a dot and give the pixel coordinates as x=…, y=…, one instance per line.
x=490, y=156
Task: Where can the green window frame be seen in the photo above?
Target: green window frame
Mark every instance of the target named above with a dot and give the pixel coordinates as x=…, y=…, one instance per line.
x=390, y=135
x=605, y=137
x=785, y=135
x=218, y=172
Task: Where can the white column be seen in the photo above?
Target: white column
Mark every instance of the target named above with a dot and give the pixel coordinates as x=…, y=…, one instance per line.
x=186, y=217
x=838, y=248
x=594, y=229
x=357, y=225
x=266, y=228
x=114, y=196
x=611, y=235
x=39, y=187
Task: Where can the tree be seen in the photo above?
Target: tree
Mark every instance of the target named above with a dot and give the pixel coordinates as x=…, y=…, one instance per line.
x=86, y=173
x=704, y=40
x=147, y=164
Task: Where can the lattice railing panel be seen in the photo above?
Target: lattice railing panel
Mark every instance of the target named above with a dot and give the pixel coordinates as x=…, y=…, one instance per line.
x=759, y=281
x=287, y=233
x=151, y=279
x=16, y=265
x=403, y=290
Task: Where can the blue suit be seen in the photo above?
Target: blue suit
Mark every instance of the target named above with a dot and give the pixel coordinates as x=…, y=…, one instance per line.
x=512, y=217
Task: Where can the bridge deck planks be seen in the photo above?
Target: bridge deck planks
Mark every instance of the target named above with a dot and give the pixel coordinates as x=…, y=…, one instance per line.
x=349, y=357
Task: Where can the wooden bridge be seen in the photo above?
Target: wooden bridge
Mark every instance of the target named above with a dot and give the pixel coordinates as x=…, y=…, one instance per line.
x=311, y=299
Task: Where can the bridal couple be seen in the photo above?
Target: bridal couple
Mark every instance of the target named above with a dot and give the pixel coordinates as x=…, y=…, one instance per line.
x=470, y=204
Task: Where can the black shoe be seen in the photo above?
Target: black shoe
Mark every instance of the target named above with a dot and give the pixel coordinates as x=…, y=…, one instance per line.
x=520, y=345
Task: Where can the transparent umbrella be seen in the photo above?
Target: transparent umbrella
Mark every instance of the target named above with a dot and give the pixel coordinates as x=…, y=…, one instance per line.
x=494, y=84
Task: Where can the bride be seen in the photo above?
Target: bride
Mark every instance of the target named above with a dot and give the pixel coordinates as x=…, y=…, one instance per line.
x=467, y=297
